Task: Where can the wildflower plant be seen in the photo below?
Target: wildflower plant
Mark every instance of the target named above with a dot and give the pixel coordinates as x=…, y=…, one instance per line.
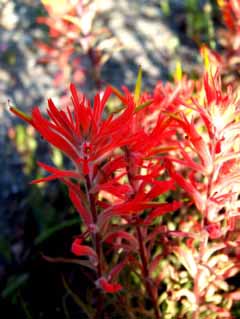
x=211, y=155
x=74, y=44
x=156, y=185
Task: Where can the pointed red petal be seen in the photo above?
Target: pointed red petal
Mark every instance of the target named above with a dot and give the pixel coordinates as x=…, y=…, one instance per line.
x=54, y=135
x=56, y=173
x=162, y=210
x=81, y=250
x=83, y=212
x=108, y=287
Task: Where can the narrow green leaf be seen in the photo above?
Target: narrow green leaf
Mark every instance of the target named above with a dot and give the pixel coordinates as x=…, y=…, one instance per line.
x=58, y=260
x=51, y=231
x=24, y=116
x=143, y=105
x=24, y=307
x=77, y=300
x=14, y=284
x=138, y=86
x=178, y=72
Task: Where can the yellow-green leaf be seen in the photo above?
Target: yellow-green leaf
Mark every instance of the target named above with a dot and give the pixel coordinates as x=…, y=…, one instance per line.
x=138, y=86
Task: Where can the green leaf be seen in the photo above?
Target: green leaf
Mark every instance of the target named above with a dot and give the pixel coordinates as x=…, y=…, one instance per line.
x=24, y=307
x=178, y=72
x=14, y=283
x=24, y=116
x=165, y=7
x=58, y=260
x=52, y=230
x=143, y=105
x=138, y=86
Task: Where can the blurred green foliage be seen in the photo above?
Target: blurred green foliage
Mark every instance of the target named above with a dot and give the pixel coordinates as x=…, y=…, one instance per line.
x=165, y=7
x=199, y=22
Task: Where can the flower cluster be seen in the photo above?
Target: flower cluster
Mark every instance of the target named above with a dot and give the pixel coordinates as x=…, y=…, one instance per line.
x=156, y=185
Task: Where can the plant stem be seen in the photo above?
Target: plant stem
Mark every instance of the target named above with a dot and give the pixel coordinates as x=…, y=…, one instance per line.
x=97, y=245
x=95, y=234
x=131, y=172
x=195, y=289
x=145, y=272
x=92, y=54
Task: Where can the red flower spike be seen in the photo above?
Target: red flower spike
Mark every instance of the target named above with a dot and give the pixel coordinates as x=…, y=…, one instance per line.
x=82, y=134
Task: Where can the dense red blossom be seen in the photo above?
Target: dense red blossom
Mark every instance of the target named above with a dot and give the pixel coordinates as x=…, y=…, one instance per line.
x=81, y=131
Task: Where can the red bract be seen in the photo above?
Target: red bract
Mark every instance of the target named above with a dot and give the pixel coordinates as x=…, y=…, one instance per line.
x=81, y=250
x=109, y=287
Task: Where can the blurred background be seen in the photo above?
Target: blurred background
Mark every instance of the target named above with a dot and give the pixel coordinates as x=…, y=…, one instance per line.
x=44, y=46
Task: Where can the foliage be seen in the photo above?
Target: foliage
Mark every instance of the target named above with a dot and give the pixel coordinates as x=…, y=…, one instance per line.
x=199, y=21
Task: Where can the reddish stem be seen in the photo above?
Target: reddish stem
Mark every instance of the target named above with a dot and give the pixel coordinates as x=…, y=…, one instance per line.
x=131, y=171
x=97, y=244
x=145, y=272
x=95, y=234
x=92, y=54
